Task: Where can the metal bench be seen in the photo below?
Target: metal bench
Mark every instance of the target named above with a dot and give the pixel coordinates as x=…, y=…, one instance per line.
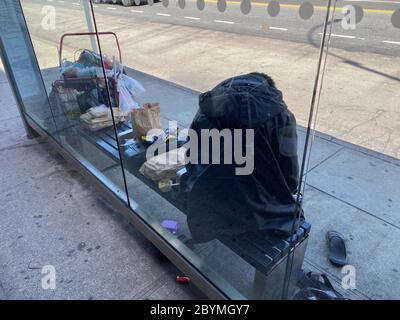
x=267, y=253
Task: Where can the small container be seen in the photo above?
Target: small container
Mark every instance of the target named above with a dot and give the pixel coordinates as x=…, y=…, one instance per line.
x=182, y=279
x=170, y=225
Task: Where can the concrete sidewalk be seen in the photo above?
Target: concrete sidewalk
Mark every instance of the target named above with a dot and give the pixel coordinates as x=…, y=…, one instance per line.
x=49, y=215
x=59, y=218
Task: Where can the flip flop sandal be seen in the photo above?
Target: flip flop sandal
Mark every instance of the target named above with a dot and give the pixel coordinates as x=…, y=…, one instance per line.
x=316, y=286
x=337, y=248
x=316, y=294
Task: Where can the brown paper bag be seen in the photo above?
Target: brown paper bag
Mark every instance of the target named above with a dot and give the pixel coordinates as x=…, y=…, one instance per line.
x=165, y=165
x=146, y=118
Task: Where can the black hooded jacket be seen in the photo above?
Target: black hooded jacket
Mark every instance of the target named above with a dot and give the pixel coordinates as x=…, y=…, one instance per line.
x=219, y=201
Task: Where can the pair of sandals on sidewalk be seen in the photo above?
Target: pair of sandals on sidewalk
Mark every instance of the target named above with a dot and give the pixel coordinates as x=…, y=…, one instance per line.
x=315, y=286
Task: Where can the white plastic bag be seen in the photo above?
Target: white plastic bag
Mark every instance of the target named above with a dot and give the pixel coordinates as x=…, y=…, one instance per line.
x=128, y=89
x=126, y=101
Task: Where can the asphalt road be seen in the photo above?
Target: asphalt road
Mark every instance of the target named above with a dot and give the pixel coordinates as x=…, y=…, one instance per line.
x=375, y=32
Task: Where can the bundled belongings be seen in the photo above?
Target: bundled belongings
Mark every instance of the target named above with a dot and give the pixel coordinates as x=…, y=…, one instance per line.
x=221, y=202
x=165, y=165
x=100, y=117
x=90, y=82
x=85, y=77
x=145, y=119
x=78, y=70
x=87, y=65
x=93, y=59
x=97, y=96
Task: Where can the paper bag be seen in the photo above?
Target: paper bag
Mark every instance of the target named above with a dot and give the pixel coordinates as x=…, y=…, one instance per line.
x=146, y=118
x=165, y=165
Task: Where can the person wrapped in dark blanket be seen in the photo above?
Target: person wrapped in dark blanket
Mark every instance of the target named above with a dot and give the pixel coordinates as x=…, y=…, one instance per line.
x=219, y=201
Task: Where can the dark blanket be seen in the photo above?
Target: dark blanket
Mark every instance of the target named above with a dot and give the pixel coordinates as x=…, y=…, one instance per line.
x=220, y=202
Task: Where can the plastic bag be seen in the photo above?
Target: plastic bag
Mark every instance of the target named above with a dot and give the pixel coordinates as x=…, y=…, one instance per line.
x=126, y=101
x=128, y=89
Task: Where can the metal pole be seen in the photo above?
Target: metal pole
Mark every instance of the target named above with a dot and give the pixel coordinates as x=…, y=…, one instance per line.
x=90, y=25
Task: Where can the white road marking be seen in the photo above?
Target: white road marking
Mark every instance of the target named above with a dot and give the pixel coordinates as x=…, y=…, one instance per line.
x=164, y=14
x=192, y=18
x=391, y=42
x=76, y=4
x=339, y=35
x=278, y=28
x=137, y=11
x=224, y=21
x=111, y=8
